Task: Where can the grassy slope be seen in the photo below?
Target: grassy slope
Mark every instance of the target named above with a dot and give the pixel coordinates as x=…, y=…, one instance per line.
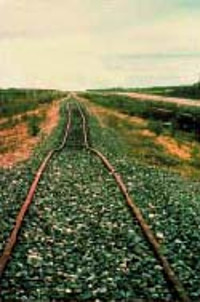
x=170, y=123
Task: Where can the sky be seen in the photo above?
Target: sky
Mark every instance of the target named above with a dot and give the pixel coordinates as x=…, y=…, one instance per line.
x=80, y=44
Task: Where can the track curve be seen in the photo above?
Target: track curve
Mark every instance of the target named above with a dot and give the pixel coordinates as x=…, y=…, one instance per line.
x=169, y=273
x=11, y=242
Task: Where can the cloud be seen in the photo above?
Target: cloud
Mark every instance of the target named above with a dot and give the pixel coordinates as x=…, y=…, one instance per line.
x=76, y=44
x=39, y=19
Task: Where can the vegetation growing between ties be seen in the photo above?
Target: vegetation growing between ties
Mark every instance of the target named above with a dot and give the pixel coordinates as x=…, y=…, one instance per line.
x=79, y=240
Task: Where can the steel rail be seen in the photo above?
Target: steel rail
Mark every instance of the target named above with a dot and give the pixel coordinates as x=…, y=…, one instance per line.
x=168, y=271
x=11, y=241
x=151, y=238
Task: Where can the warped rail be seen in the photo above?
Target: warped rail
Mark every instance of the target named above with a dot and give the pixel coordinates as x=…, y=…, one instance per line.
x=12, y=240
x=168, y=271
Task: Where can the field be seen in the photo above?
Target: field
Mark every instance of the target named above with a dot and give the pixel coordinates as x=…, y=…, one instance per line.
x=190, y=91
x=186, y=91
x=157, y=133
x=24, y=116
x=79, y=240
x=16, y=101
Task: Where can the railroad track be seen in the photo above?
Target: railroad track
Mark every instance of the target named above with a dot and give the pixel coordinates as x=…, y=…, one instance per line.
x=74, y=139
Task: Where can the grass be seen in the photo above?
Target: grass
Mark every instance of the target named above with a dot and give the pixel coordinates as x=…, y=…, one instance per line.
x=169, y=202
x=15, y=182
x=33, y=123
x=11, y=137
x=26, y=109
x=141, y=147
x=18, y=101
x=144, y=147
x=79, y=241
x=184, y=118
x=156, y=127
x=184, y=91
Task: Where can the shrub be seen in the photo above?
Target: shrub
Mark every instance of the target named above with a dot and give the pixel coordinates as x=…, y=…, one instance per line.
x=34, y=125
x=156, y=127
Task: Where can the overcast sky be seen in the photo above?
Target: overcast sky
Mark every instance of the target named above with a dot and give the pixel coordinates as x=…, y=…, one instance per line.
x=78, y=44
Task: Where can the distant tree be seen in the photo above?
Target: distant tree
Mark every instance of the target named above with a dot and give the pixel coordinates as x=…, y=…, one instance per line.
x=198, y=83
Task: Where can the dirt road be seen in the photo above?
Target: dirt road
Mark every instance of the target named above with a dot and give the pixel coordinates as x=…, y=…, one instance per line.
x=159, y=98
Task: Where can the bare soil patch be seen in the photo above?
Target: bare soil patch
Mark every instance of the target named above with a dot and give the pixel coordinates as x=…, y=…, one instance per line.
x=17, y=145
x=182, y=151
x=147, y=133
x=145, y=144
x=52, y=117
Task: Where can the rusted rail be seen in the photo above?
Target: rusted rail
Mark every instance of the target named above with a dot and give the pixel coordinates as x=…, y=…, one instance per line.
x=11, y=242
x=169, y=273
x=151, y=238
